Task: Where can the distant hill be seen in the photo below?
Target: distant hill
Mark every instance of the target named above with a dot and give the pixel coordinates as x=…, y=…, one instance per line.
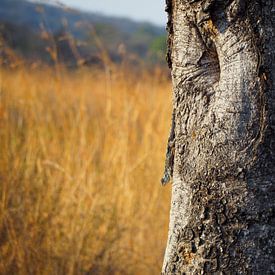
x=46, y=32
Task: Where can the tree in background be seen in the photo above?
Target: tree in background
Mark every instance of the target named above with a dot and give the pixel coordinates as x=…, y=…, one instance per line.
x=221, y=150
x=157, y=49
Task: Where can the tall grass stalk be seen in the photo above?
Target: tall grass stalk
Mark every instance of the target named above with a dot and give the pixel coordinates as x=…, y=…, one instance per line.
x=81, y=156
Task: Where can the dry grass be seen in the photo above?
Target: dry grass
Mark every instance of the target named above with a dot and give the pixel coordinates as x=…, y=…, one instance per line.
x=81, y=156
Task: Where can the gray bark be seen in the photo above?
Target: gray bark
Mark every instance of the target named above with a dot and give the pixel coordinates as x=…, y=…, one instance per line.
x=221, y=150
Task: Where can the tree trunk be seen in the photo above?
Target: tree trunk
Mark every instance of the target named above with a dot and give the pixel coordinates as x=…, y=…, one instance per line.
x=221, y=150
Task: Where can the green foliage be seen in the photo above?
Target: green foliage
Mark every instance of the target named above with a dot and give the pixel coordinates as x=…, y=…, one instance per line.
x=158, y=45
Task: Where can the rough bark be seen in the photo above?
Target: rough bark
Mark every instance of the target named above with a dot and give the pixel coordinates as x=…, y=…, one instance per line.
x=221, y=149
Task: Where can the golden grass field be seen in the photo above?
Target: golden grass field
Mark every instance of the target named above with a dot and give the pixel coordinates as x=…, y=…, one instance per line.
x=82, y=154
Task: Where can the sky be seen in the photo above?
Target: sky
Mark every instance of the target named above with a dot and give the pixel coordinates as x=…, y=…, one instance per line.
x=141, y=10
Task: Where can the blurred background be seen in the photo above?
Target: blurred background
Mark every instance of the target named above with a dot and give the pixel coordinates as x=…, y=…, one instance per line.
x=85, y=107
x=81, y=32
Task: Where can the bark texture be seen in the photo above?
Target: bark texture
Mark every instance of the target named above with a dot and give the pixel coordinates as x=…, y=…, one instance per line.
x=221, y=149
